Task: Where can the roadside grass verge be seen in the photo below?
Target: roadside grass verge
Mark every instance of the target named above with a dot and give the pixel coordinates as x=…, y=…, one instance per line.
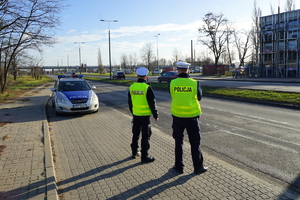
x=259, y=95
x=15, y=89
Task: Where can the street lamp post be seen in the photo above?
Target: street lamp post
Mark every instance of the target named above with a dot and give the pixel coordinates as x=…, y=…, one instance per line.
x=195, y=51
x=68, y=63
x=157, y=49
x=109, y=49
x=79, y=54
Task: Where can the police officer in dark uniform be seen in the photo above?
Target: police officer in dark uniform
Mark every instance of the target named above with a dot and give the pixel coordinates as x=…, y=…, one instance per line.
x=185, y=109
x=142, y=105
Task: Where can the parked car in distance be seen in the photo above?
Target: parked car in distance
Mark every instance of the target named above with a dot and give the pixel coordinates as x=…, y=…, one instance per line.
x=73, y=95
x=118, y=75
x=157, y=71
x=167, y=76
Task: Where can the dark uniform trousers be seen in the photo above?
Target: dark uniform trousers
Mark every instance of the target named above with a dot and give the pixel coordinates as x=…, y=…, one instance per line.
x=193, y=131
x=141, y=123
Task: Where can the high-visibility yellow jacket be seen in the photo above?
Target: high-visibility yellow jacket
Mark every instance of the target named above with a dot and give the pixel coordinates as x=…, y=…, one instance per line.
x=140, y=106
x=184, y=98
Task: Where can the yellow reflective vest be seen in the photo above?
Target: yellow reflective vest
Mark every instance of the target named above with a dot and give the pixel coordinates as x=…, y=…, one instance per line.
x=138, y=92
x=184, y=98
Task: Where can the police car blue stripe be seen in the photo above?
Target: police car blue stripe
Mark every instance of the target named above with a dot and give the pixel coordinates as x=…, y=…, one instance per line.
x=77, y=94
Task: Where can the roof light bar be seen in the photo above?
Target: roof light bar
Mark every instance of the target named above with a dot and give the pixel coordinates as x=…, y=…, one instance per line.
x=61, y=76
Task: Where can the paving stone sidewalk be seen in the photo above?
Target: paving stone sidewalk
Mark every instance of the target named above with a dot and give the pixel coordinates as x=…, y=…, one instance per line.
x=93, y=162
x=22, y=159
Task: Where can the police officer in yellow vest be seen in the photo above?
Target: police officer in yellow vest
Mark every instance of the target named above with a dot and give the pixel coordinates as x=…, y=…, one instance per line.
x=185, y=109
x=142, y=104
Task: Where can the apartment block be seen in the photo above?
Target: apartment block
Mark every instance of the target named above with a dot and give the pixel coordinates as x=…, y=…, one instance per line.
x=280, y=45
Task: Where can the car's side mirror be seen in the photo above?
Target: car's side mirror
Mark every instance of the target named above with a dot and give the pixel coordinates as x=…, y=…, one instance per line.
x=93, y=87
x=53, y=89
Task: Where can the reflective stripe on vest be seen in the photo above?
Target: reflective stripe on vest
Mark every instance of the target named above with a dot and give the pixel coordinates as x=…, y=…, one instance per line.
x=138, y=92
x=184, y=98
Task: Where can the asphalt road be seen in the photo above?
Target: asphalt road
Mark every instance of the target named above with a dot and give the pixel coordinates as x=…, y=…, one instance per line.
x=262, y=139
x=274, y=86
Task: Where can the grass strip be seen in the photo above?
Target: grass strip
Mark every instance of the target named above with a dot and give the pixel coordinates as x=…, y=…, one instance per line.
x=261, y=95
x=16, y=88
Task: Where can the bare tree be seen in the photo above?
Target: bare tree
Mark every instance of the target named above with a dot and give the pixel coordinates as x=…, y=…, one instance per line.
x=130, y=61
x=169, y=62
x=228, y=57
x=177, y=55
x=124, y=61
x=229, y=30
x=272, y=9
x=25, y=24
x=100, y=65
x=290, y=5
x=256, y=14
x=205, y=58
x=135, y=60
x=162, y=62
x=25, y=60
x=214, y=34
x=241, y=42
x=147, y=54
x=187, y=59
x=35, y=67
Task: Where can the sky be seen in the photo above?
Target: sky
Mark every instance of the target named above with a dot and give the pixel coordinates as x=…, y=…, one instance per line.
x=139, y=21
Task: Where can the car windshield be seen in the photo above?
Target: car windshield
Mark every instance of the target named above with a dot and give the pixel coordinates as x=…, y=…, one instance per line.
x=73, y=86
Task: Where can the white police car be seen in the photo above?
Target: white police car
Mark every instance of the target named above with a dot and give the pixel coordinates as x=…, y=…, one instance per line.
x=73, y=95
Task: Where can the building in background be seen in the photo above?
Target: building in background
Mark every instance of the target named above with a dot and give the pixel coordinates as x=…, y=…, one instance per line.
x=280, y=45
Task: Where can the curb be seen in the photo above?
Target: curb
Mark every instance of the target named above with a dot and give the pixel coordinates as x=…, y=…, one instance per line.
x=270, y=103
x=277, y=80
x=51, y=187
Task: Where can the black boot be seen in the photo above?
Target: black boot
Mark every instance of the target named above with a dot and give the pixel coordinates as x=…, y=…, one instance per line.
x=136, y=154
x=147, y=159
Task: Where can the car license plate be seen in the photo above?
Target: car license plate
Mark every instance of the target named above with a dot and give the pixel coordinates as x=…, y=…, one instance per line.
x=80, y=106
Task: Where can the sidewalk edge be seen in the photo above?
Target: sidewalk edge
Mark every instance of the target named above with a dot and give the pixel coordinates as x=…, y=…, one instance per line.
x=51, y=187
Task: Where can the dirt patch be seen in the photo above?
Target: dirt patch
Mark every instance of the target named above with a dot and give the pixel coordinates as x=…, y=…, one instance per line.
x=37, y=90
x=47, y=85
x=5, y=137
x=4, y=123
x=62, y=196
x=2, y=147
x=13, y=95
x=53, y=151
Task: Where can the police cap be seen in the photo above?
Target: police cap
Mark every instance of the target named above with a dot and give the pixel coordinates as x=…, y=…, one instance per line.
x=182, y=65
x=142, y=71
